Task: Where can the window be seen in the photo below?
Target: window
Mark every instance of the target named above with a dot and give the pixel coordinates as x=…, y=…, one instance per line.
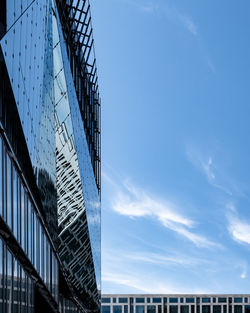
x=159, y=309
x=173, y=309
x=9, y=190
x=114, y=300
x=173, y=300
x=181, y=300
x=238, y=309
x=105, y=308
x=165, y=300
x=151, y=309
x=205, y=300
x=123, y=300
x=131, y=300
x=125, y=309
x=206, y=309
x=189, y=300
x=216, y=309
x=247, y=308
x=237, y=300
x=117, y=309
x=105, y=300
x=184, y=309
x=131, y=309
x=246, y=300
x=139, y=300
x=140, y=309
x=214, y=300
x=222, y=300
x=198, y=300
x=148, y=300
x=156, y=300
x=1, y=177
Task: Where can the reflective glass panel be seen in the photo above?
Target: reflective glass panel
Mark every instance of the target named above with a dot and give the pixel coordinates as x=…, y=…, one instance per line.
x=206, y=309
x=156, y=300
x=184, y=309
x=217, y=309
x=117, y=309
x=173, y=309
x=238, y=309
x=139, y=309
x=105, y=308
x=151, y=309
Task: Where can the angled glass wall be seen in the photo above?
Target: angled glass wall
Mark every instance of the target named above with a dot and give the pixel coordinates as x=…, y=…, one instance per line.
x=49, y=161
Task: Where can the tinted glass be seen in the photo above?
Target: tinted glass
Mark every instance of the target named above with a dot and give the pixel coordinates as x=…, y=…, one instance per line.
x=139, y=300
x=238, y=300
x=173, y=300
x=105, y=308
x=151, y=309
x=205, y=300
x=105, y=300
x=184, y=309
x=247, y=308
x=189, y=300
x=238, y=309
x=216, y=309
x=140, y=309
x=206, y=309
x=221, y=300
x=156, y=300
x=117, y=309
x=123, y=300
x=173, y=309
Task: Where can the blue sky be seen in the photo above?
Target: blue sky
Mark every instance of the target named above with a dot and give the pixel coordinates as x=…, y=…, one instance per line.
x=174, y=79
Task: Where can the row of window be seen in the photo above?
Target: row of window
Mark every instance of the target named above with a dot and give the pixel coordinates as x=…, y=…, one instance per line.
x=177, y=300
x=19, y=214
x=16, y=288
x=174, y=309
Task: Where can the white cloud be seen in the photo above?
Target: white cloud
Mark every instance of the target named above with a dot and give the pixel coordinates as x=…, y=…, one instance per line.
x=243, y=275
x=133, y=202
x=239, y=229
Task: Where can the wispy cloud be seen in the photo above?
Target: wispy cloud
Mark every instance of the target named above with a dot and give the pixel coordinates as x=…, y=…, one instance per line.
x=131, y=201
x=206, y=165
x=166, y=260
x=164, y=10
x=188, y=23
x=146, y=285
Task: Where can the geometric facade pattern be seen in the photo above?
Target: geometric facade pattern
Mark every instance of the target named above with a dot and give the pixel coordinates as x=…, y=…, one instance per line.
x=49, y=158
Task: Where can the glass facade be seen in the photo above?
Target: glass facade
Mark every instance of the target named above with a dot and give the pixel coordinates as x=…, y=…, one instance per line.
x=49, y=160
x=179, y=303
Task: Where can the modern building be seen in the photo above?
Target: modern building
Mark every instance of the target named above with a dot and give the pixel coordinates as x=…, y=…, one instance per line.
x=49, y=158
x=166, y=303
